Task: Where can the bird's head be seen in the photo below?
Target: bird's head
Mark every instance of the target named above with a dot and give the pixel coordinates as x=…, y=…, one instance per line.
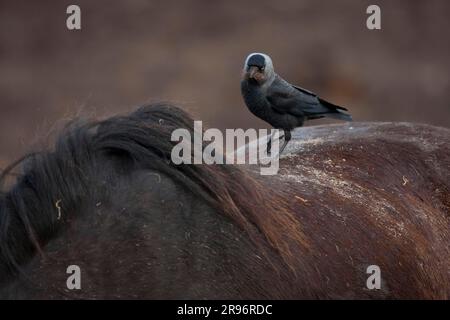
x=258, y=68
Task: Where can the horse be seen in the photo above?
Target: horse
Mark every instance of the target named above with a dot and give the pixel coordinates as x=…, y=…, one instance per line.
x=107, y=198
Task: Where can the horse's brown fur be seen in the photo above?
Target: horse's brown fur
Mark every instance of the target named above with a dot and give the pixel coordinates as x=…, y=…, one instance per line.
x=373, y=193
x=346, y=197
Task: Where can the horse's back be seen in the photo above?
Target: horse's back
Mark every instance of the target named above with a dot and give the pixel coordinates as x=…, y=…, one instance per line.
x=373, y=194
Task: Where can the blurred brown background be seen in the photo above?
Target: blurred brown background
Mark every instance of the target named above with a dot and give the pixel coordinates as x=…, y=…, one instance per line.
x=192, y=52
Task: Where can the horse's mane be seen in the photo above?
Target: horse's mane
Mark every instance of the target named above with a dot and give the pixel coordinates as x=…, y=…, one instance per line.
x=59, y=177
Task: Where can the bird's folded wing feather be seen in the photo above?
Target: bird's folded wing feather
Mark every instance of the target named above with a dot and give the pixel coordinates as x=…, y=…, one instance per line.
x=285, y=98
x=328, y=104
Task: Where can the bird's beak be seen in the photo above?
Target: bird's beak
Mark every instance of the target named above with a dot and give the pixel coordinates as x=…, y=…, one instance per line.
x=252, y=71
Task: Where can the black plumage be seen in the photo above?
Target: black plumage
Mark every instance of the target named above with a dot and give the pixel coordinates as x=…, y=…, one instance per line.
x=276, y=101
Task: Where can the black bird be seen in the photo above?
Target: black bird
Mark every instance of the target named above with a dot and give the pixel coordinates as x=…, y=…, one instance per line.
x=281, y=104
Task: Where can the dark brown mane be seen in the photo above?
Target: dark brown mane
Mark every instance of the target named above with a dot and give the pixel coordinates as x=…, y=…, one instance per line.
x=140, y=140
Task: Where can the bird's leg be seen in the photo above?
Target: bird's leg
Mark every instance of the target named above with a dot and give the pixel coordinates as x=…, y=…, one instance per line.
x=269, y=142
x=287, y=137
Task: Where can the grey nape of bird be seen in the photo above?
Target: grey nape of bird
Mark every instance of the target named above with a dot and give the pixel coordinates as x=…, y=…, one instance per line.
x=281, y=104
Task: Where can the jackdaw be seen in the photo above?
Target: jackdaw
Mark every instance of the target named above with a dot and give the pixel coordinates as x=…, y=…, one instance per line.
x=281, y=104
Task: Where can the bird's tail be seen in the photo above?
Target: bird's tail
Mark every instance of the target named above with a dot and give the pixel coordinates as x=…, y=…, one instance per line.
x=340, y=115
x=336, y=112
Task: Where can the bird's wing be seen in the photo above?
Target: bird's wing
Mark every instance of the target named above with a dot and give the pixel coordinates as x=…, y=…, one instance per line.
x=285, y=98
x=328, y=104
